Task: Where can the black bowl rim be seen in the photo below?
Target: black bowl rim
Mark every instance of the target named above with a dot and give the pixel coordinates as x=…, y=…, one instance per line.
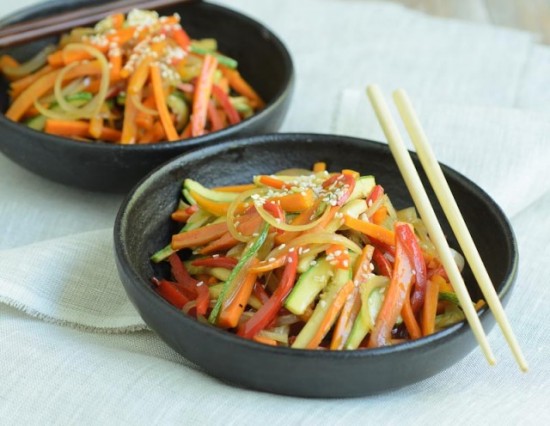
x=164, y=308
x=179, y=144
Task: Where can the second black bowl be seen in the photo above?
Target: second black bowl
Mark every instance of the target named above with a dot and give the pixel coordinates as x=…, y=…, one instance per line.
x=263, y=60
x=143, y=226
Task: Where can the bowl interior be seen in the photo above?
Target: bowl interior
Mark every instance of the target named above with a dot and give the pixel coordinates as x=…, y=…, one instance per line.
x=143, y=226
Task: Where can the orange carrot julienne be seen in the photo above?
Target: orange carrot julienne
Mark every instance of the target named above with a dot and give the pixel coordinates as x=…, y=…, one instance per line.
x=233, y=307
x=331, y=315
x=296, y=202
x=139, y=76
x=70, y=128
x=158, y=90
x=273, y=182
x=409, y=319
x=239, y=84
x=96, y=127
x=371, y=230
x=129, y=126
x=394, y=297
x=44, y=84
x=18, y=86
x=201, y=97
x=353, y=304
x=235, y=188
x=319, y=167
x=198, y=237
x=429, y=309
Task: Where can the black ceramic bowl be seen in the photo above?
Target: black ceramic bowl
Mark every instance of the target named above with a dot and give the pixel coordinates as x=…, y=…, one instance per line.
x=263, y=61
x=143, y=226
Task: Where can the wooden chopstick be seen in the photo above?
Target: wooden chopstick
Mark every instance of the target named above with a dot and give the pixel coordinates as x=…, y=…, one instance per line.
x=448, y=203
x=420, y=198
x=31, y=30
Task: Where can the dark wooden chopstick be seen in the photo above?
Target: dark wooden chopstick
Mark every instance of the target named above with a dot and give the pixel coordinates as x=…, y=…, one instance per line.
x=31, y=30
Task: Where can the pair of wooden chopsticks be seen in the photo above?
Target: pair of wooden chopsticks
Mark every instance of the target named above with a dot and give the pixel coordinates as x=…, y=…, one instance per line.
x=41, y=27
x=451, y=210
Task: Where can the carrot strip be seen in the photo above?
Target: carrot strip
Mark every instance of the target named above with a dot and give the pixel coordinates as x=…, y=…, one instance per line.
x=203, y=89
x=129, y=126
x=371, y=230
x=80, y=129
x=8, y=61
x=394, y=297
x=266, y=266
x=331, y=315
x=237, y=83
x=296, y=202
x=198, y=237
x=18, y=86
x=235, y=188
x=233, y=307
x=264, y=340
x=409, y=319
x=273, y=182
x=181, y=38
x=140, y=75
x=319, y=167
x=353, y=304
x=160, y=99
x=225, y=242
x=44, y=84
x=96, y=127
x=380, y=215
x=429, y=309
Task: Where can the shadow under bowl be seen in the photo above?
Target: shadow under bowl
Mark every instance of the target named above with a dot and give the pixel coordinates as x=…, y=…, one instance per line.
x=143, y=226
x=263, y=61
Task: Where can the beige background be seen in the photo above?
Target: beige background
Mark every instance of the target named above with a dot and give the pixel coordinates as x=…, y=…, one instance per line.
x=530, y=15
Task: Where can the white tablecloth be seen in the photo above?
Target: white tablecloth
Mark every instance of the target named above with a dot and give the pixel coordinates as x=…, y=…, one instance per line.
x=73, y=349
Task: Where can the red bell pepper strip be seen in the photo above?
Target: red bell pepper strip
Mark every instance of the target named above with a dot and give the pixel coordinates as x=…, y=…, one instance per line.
x=216, y=262
x=342, y=185
x=267, y=313
x=170, y=293
x=260, y=293
x=222, y=98
x=203, y=89
x=375, y=194
x=382, y=264
x=395, y=294
x=179, y=272
x=203, y=298
x=413, y=250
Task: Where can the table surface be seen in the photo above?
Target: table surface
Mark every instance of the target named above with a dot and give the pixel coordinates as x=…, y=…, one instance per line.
x=528, y=15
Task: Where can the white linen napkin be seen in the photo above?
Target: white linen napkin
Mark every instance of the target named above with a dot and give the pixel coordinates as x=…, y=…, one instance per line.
x=56, y=256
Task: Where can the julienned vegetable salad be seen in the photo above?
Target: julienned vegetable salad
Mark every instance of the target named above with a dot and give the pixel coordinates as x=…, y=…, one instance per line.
x=134, y=79
x=306, y=259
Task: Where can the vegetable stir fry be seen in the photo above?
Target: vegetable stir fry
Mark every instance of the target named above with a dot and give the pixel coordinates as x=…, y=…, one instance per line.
x=134, y=79
x=306, y=259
